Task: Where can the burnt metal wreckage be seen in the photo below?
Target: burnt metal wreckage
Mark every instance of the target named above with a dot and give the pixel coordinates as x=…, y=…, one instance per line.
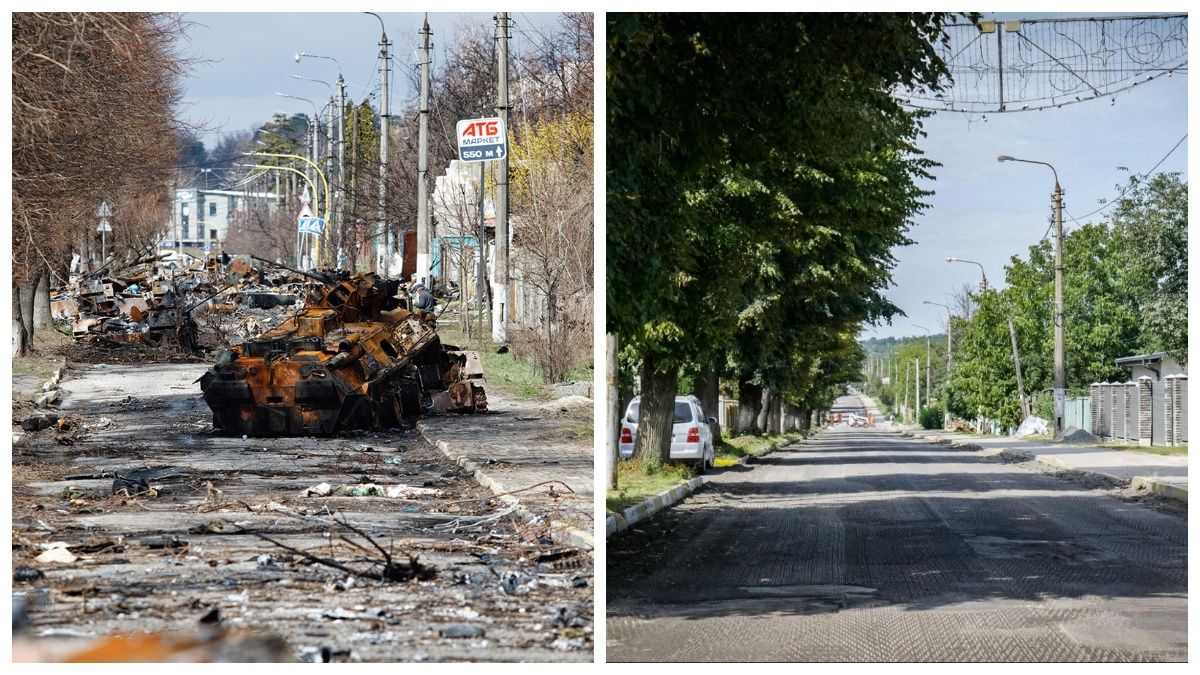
x=354, y=357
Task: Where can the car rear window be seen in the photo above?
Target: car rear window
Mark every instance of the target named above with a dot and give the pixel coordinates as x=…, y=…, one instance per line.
x=683, y=412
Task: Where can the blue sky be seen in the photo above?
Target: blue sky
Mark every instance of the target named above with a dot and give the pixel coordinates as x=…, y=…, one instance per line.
x=987, y=211
x=243, y=58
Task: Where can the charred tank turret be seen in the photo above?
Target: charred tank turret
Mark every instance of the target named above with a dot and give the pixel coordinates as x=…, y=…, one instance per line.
x=355, y=357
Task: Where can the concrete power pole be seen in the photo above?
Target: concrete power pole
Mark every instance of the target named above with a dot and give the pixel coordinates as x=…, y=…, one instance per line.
x=340, y=195
x=613, y=415
x=424, y=257
x=500, y=292
x=384, y=132
x=1012, y=334
x=917, y=389
x=1060, y=361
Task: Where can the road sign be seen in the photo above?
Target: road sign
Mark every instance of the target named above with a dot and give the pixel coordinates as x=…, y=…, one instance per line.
x=104, y=211
x=311, y=225
x=104, y=226
x=482, y=140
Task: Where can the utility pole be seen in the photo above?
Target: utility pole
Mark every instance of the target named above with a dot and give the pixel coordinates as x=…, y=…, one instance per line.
x=907, y=365
x=329, y=145
x=1060, y=361
x=1012, y=334
x=339, y=208
x=917, y=389
x=612, y=414
x=481, y=264
x=384, y=132
x=424, y=255
x=500, y=303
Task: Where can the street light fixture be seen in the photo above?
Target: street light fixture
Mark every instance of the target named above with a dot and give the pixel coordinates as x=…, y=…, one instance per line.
x=983, y=285
x=1060, y=369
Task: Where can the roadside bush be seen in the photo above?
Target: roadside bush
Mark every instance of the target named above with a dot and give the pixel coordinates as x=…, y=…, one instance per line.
x=932, y=417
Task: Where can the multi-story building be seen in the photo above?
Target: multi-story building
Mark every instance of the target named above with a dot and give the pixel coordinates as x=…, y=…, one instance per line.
x=200, y=219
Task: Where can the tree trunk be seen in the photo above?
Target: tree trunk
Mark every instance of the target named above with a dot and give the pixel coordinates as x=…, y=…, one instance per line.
x=805, y=420
x=20, y=337
x=749, y=402
x=41, y=303
x=775, y=415
x=26, y=300
x=656, y=417
x=762, y=424
x=705, y=388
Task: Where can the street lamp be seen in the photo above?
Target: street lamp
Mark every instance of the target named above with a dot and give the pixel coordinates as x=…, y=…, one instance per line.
x=313, y=126
x=983, y=282
x=1060, y=368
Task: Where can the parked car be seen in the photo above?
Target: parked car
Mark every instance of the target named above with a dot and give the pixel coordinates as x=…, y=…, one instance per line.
x=691, y=434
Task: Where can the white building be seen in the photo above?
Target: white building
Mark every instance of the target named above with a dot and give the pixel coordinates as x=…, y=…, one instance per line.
x=200, y=219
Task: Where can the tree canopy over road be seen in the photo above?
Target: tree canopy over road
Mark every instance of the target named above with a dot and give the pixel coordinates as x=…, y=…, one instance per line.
x=760, y=173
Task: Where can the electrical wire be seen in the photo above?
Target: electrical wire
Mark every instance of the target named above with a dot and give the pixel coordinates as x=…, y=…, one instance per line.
x=1139, y=177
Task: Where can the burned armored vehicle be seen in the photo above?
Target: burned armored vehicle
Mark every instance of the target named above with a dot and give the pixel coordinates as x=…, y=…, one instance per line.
x=355, y=357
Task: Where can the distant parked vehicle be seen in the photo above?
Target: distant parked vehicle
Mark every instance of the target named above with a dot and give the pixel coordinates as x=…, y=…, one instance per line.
x=691, y=434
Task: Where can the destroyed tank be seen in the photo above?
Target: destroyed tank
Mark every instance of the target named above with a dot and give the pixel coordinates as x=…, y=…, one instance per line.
x=355, y=357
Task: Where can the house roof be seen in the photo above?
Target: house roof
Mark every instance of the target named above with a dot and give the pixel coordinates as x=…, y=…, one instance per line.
x=1141, y=359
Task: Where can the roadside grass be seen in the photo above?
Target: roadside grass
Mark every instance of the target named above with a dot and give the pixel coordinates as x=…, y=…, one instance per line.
x=40, y=363
x=730, y=450
x=637, y=481
x=515, y=378
x=1162, y=450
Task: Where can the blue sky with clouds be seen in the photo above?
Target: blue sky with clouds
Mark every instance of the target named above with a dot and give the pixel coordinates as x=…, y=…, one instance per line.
x=242, y=59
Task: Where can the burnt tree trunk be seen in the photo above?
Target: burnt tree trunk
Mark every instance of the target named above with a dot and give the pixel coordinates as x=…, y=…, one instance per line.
x=20, y=338
x=41, y=302
x=656, y=416
x=706, y=389
x=749, y=402
x=25, y=297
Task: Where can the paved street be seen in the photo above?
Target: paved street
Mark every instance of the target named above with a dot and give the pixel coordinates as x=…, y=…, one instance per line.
x=865, y=545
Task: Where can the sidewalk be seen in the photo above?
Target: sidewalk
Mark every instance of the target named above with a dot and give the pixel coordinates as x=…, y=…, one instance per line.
x=520, y=443
x=1166, y=476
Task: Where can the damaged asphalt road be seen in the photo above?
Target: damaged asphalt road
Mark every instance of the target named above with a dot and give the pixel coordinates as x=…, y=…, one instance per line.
x=166, y=522
x=861, y=545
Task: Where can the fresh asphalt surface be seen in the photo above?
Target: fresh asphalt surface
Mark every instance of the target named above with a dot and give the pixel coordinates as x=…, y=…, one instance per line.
x=863, y=545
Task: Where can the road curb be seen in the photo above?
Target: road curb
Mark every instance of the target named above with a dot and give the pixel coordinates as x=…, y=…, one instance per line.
x=1159, y=488
x=560, y=532
x=1152, y=485
x=617, y=522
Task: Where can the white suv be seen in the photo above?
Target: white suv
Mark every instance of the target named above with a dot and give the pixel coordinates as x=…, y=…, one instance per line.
x=691, y=435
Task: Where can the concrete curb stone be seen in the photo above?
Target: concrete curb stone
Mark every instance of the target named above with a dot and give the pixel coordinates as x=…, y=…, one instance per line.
x=1160, y=488
x=1149, y=484
x=617, y=522
x=638, y=512
x=561, y=533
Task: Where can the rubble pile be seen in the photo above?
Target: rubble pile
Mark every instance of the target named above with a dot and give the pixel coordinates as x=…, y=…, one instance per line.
x=193, y=305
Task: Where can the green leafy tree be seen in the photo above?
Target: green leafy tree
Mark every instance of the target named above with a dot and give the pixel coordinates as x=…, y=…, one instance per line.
x=1150, y=223
x=760, y=172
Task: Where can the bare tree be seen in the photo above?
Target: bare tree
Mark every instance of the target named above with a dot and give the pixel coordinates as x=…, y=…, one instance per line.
x=94, y=96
